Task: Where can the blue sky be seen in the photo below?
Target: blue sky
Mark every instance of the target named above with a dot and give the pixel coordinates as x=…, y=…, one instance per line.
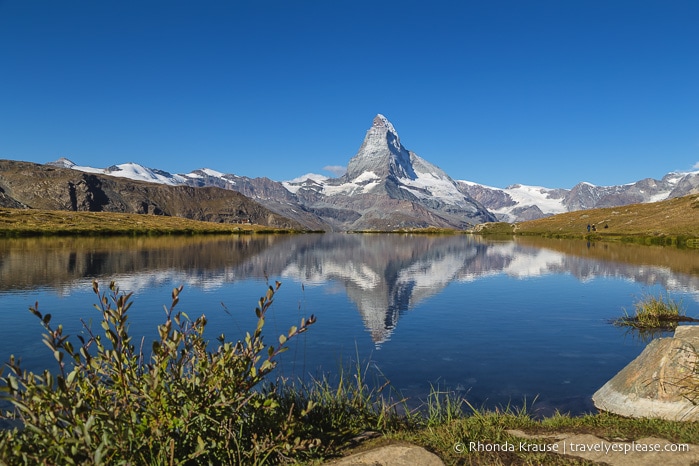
x=498, y=92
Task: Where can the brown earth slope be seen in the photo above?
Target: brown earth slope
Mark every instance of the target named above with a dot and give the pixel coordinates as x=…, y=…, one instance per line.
x=24, y=184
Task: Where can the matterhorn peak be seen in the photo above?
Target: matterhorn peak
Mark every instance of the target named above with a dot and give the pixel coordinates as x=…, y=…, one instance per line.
x=384, y=126
x=381, y=153
x=381, y=121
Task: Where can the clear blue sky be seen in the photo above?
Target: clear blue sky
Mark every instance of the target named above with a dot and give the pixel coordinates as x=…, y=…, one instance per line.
x=498, y=92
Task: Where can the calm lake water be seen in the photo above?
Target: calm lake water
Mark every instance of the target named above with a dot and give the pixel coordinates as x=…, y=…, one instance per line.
x=498, y=322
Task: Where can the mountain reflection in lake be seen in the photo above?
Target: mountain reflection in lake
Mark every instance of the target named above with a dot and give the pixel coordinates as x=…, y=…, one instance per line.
x=496, y=322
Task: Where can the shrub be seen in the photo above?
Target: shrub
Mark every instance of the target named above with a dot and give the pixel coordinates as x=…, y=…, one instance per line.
x=108, y=403
x=653, y=312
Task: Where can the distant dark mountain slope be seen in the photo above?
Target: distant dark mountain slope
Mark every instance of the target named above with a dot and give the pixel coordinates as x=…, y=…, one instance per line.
x=271, y=194
x=54, y=188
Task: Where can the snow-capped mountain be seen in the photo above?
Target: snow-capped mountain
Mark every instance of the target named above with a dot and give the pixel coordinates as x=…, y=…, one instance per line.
x=35, y=186
x=387, y=187
x=129, y=170
x=519, y=202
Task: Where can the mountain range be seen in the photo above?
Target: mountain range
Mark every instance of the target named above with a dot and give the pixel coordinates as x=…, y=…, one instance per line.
x=385, y=187
x=30, y=185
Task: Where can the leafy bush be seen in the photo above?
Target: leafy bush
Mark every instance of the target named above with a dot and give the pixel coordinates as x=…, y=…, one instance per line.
x=110, y=404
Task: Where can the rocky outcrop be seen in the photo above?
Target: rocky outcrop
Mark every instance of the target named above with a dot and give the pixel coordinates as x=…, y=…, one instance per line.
x=531, y=212
x=662, y=382
x=492, y=197
x=398, y=454
x=10, y=202
x=686, y=185
x=55, y=188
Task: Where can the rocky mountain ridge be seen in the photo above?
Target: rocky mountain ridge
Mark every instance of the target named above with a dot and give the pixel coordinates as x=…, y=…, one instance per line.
x=520, y=203
x=30, y=185
x=387, y=187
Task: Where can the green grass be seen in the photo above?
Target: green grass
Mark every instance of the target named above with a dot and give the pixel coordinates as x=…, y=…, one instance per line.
x=654, y=312
x=673, y=222
x=448, y=420
x=16, y=223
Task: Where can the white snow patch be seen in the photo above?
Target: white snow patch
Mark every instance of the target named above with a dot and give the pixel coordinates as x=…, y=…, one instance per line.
x=366, y=176
x=364, y=183
x=439, y=187
x=660, y=196
x=307, y=176
x=213, y=173
x=136, y=172
x=303, y=181
x=527, y=195
x=81, y=168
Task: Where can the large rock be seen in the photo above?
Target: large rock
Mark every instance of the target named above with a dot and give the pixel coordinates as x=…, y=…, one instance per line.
x=391, y=455
x=662, y=382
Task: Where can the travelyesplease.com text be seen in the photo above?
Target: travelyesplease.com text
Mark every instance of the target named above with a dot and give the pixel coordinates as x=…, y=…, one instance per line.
x=565, y=447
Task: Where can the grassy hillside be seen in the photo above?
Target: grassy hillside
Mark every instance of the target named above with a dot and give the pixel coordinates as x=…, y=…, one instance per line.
x=32, y=222
x=671, y=221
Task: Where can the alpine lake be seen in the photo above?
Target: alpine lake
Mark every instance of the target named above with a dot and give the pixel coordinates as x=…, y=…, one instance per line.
x=515, y=322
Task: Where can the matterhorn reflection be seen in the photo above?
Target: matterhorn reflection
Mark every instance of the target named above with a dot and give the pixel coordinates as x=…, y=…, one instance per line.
x=385, y=275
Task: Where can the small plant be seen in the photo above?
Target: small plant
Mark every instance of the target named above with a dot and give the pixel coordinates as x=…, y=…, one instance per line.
x=654, y=312
x=443, y=406
x=109, y=403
